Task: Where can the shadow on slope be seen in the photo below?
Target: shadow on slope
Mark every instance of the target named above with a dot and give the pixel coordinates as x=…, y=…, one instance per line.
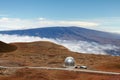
x=4, y=47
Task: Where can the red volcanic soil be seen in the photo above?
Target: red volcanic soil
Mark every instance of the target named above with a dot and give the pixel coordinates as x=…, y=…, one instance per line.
x=111, y=66
x=43, y=74
x=43, y=53
x=47, y=54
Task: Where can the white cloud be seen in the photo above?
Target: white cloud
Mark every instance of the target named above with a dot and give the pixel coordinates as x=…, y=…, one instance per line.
x=4, y=19
x=104, y=24
x=109, y=24
x=77, y=23
x=16, y=23
x=41, y=18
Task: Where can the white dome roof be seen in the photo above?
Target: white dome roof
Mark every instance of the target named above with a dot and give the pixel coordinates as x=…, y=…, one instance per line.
x=69, y=62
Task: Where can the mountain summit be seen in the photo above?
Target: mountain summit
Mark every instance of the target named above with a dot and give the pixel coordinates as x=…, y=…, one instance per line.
x=69, y=33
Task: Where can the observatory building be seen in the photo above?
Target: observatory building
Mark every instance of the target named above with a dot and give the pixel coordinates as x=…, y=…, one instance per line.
x=69, y=62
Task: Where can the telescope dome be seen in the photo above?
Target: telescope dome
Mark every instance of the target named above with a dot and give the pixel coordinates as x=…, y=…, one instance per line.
x=69, y=62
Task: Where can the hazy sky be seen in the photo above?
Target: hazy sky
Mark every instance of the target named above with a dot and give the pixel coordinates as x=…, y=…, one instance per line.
x=96, y=14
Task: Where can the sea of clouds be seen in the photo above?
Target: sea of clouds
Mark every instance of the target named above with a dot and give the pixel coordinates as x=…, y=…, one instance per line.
x=75, y=46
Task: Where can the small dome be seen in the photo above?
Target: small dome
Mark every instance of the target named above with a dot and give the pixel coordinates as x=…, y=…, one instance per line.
x=69, y=62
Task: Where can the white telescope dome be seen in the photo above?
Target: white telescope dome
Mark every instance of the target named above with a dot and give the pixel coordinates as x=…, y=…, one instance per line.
x=69, y=62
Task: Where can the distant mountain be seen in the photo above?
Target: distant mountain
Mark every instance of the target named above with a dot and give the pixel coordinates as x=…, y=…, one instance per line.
x=70, y=33
x=79, y=39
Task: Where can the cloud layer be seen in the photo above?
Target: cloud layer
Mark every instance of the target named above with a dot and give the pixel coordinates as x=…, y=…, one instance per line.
x=109, y=24
x=16, y=23
x=76, y=46
x=103, y=24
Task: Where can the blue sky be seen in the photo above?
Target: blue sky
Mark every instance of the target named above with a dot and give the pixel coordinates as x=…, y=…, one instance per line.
x=61, y=9
x=96, y=14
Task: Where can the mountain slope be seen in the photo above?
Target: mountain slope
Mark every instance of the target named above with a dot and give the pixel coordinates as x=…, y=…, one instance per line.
x=48, y=54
